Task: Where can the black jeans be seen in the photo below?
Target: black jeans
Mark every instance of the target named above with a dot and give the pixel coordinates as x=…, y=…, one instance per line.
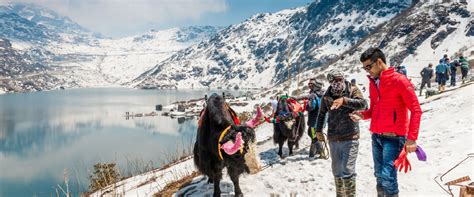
x=424, y=82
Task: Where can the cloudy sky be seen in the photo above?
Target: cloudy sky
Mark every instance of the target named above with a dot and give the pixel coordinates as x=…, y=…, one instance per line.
x=119, y=18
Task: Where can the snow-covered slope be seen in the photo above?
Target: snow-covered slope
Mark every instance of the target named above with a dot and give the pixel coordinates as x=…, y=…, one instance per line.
x=129, y=57
x=255, y=52
x=117, y=61
x=420, y=35
x=445, y=134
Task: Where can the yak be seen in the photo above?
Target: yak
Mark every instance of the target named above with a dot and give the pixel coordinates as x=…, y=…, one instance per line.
x=288, y=124
x=221, y=141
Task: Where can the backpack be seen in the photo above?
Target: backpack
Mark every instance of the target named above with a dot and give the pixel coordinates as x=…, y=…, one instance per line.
x=314, y=102
x=441, y=68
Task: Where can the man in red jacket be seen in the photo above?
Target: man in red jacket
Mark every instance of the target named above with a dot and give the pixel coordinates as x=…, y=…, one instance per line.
x=391, y=97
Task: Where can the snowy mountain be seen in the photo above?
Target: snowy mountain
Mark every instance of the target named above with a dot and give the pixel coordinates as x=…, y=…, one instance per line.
x=19, y=73
x=46, y=17
x=255, y=52
x=117, y=61
x=16, y=27
x=59, y=27
x=80, y=58
x=307, y=41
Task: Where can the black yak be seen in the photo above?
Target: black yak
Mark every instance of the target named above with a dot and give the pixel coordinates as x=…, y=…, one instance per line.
x=288, y=124
x=222, y=142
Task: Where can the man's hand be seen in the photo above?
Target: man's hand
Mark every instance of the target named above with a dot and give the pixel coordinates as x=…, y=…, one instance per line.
x=320, y=136
x=337, y=103
x=355, y=116
x=410, y=146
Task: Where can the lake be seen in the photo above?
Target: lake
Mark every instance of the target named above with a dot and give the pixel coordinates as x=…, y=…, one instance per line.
x=45, y=134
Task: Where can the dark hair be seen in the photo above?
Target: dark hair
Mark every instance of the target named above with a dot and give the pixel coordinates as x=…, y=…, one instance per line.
x=372, y=54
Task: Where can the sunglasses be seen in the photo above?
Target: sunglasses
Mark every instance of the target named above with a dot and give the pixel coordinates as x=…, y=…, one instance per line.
x=368, y=66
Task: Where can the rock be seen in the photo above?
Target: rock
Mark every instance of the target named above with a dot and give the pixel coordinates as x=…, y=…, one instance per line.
x=181, y=108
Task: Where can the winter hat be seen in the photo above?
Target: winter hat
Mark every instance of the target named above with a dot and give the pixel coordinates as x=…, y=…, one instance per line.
x=334, y=74
x=317, y=84
x=338, y=84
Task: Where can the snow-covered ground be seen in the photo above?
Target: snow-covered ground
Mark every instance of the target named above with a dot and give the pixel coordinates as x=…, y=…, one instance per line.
x=446, y=135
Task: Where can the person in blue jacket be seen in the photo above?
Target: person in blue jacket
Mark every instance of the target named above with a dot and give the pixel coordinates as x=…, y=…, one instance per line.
x=441, y=72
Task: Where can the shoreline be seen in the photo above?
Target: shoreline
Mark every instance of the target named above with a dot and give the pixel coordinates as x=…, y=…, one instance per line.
x=2, y=92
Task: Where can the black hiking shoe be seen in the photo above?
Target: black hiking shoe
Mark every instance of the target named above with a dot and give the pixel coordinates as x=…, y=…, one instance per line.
x=315, y=149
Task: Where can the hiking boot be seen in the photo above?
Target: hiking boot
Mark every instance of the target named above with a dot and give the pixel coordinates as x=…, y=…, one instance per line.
x=380, y=192
x=339, y=183
x=350, y=186
x=313, y=149
x=322, y=153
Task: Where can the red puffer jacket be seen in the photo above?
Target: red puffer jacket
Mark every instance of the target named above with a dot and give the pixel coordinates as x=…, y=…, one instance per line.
x=389, y=105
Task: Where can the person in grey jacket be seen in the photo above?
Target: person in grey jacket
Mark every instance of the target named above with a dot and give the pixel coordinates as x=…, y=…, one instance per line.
x=426, y=75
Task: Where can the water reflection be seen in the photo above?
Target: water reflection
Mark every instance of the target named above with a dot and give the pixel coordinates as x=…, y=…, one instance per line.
x=43, y=133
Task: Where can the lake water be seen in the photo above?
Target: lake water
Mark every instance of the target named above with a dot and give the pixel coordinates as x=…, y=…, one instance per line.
x=44, y=134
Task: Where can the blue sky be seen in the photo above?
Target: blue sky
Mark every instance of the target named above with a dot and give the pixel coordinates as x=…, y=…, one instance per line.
x=239, y=10
x=119, y=18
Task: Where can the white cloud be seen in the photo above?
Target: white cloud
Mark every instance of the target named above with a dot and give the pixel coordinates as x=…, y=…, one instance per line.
x=114, y=17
